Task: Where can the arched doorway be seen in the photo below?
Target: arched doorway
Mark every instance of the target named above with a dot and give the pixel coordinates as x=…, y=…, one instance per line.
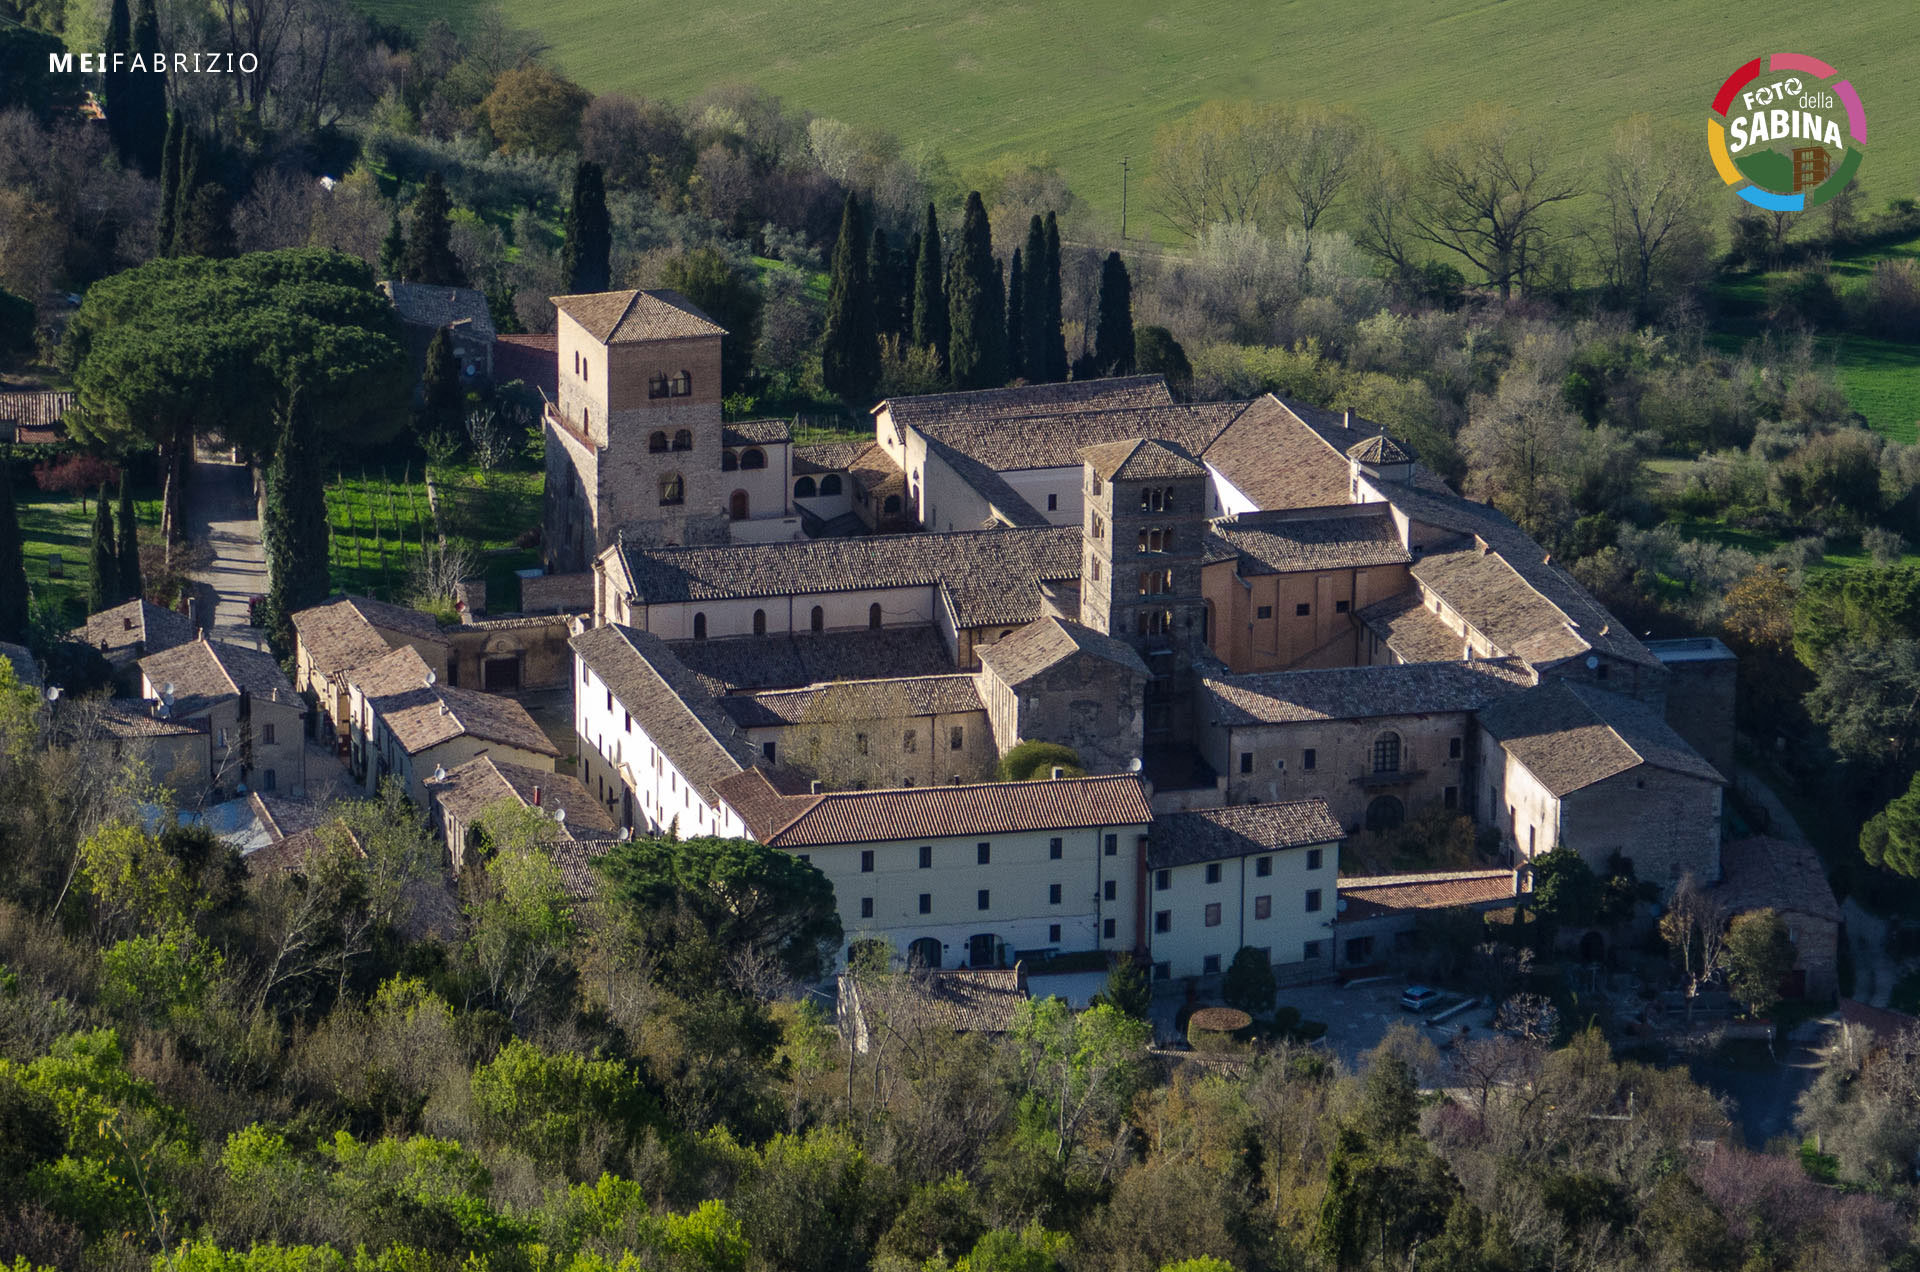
x=924, y=954
x=818, y=620
x=873, y=616
x=983, y=950
x=1385, y=813
x=737, y=506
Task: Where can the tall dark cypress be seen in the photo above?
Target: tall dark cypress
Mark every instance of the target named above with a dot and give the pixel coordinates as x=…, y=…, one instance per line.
x=103, y=588
x=1052, y=324
x=13, y=563
x=205, y=226
x=186, y=184
x=1113, y=329
x=145, y=92
x=976, y=305
x=586, y=254
x=1033, y=304
x=295, y=524
x=442, y=397
x=430, y=257
x=169, y=184
x=884, y=276
x=849, y=352
x=114, y=83
x=1016, y=320
x=393, y=251
x=930, y=330
x=132, y=586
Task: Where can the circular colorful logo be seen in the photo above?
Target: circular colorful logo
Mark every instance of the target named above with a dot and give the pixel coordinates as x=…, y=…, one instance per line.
x=1788, y=137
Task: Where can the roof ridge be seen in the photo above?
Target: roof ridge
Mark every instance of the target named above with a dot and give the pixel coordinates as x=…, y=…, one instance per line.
x=686, y=707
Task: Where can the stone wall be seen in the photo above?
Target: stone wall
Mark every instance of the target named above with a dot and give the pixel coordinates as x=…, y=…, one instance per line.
x=1666, y=822
x=1265, y=762
x=538, y=645
x=1087, y=703
x=1702, y=686
x=557, y=593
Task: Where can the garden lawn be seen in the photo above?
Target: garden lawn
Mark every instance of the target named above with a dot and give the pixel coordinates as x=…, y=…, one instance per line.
x=53, y=524
x=381, y=520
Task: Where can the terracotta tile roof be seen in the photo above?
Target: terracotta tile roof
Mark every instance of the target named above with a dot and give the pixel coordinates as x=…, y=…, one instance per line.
x=1352, y=693
x=575, y=858
x=1372, y=896
x=1380, y=450
x=756, y=433
x=1240, y=830
x=796, y=661
x=533, y=359
x=1885, y=1023
x=205, y=672
x=1141, y=459
x=1048, y=642
x=130, y=718
x=668, y=702
x=1525, y=604
x=1412, y=631
x=1572, y=735
x=845, y=701
x=486, y=780
x=989, y=577
x=1286, y=454
x=345, y=633
x=116, y=631
x=1280, y=542
x=928, y=410
x=1781, y=874
x=427, y=305
x=932, y=812
x=623, y=317
x=1053, y=439
x=422, y=715
x=827, y=457
x=35, y=409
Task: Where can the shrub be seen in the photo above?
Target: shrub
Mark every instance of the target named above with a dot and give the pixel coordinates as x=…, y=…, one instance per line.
x=1218, y=1029
x=1249, y=983
x=1033, y=760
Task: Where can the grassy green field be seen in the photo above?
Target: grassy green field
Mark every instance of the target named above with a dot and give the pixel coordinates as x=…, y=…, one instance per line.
x=380, y=518
x=56, y=526
x=1090, y=83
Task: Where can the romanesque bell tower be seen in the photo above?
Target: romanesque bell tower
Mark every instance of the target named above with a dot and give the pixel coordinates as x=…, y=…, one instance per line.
x=1143, y=539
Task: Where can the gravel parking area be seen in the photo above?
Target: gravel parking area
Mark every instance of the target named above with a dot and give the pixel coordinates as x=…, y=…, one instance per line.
x=1357, y=1017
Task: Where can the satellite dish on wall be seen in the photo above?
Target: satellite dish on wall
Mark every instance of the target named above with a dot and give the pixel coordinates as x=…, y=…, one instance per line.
x=166, y=690
x=439, y=772
x=560, y=815
x=432, y=679
x=1592, y=662
x=1134, y=766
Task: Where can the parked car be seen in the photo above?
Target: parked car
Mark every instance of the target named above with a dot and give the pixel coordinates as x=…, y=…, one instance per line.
x=1418, y=998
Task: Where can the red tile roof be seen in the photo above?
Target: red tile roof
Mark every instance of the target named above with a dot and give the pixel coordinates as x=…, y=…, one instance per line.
x=934, y=812
x=1371, y=896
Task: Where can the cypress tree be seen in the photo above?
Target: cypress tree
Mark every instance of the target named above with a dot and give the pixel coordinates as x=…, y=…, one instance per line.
x=393, y=250
x=930, y=330
x=1113, y=329
x=1016, y=320
x=132, y=586
x=976, y=305
x=295, y=525
x=205, y=228
x=586, y=255
x=13, y=564
x=884, y=277
x=850, y=353
x=430, y=257
x=103, y=590
x=506, y=319
x=186, y=183
x=1052, y=323
x=1033, y=304
x=145, y=93
x=442, y=396
x=169, y=184
x=114, y=83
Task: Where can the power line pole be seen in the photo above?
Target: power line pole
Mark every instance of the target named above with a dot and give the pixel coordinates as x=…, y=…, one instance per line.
x=1123, y=198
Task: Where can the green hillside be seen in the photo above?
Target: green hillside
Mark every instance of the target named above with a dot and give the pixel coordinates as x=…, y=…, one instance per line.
x=1091, y=82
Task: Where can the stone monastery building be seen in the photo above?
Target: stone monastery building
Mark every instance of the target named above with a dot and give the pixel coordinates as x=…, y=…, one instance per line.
x=1261, y=625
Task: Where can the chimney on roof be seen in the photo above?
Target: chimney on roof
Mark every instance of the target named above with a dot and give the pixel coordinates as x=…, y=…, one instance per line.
x=126, y=623
x=813, y=787
x=536, y=795
x=1058, y=772
x=193, y=614
x=1020, y=975
x=1547, y=559
x=443, y=706
x=1346, y=418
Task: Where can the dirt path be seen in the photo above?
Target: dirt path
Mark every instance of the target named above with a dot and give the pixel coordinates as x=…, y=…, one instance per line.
x=224, y=523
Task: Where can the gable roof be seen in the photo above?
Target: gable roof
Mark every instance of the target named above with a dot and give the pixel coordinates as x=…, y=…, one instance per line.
x=132, y=718
x=1571, y=735
x=668, y=701
x=1066, y=397
x=988, y=576
x=847, y=701
x=1283, y=541
x=934, y=812
x=118, y=630
x=796, y=660
x=1048, y=642
x=471, y=788
x=1055, y=439
x=436, y=306
x=422, y=715
x=1240, y=830
x=627, y=317
x=1285, y=454
x=1764, y=872
x=1141, y=459
x=1413, y=632
x=1006, y=503
x=344, y=633
x=1380, y=449
x=205, y=672
x=1352, y=693
x=1373, y=896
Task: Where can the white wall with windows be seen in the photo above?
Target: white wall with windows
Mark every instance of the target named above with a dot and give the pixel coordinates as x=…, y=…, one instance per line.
x=1200, y=914
x=628, y=772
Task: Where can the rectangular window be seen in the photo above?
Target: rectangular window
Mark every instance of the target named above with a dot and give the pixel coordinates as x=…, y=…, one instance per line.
x=983, y=853
x=1265, y=611
x=1163, y=920
x=908, y=742
x=1108, y=928
x=866, y=861
x=1302, y=610
x=860, y=743
x=629, y=716
x=1310, y=951
x=1263, y=907
x=926, y=856
x=1053, y=894
x=866, y=907
x=1053, y=505
x=1450, y=797
x=1313, y=858
x=926, y=903
x=1053, y=933
x=981, y=901
x=1246, y=761
x=769, y=751
x=1340, y=607
x=1113, y=845
x=1308, y=758
x=266, y=734
x=271, y=780
x=1055, y=847
x=1213, y=872
x=1313, y=900
x=1162, y=880
x=1213, y=914
x=1210, y=965
x=1262, y=867
x=956, y=738
x=1112, y=890
x=609, y=699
